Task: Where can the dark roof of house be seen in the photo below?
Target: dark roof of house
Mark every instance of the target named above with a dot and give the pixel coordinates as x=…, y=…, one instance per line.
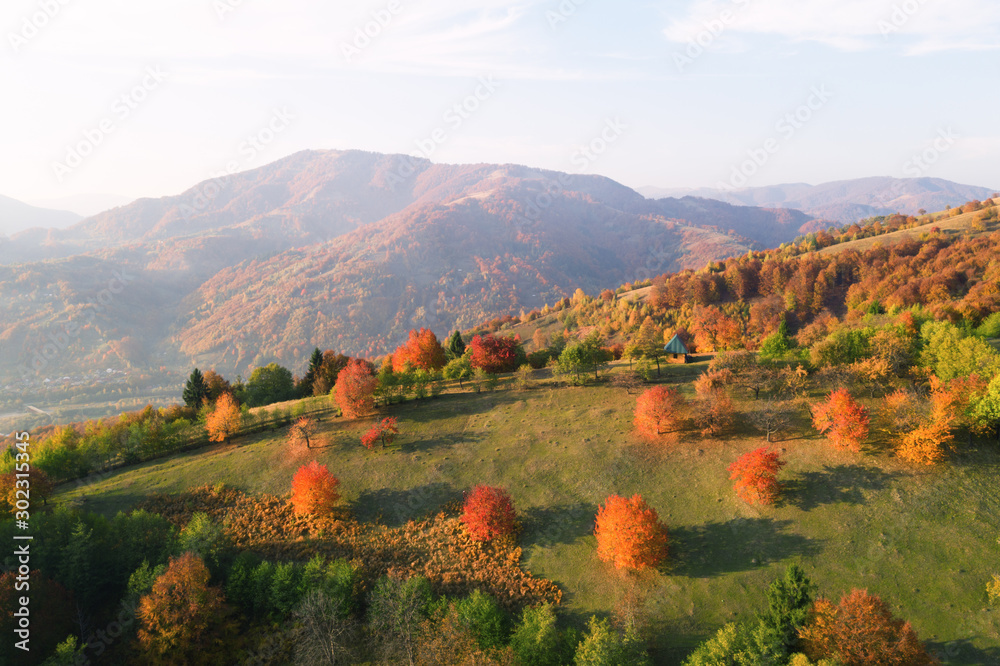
x=675, y=346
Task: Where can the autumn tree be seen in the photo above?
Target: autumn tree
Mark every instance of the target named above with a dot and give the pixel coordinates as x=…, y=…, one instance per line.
x=713, y=408
x=225, y=419
x=496, y=354
x=842, y=420
x=301, y=432
x=421, y=350
x=383, y=433
x=314, y=490
x=355, y=389
x=37, y=485
x=756, y=476
x=329, y=370
x=195, y=390
x=488, y=513
x=629, y=533
x=178, y=613
x=860, y=631
x=659, y=410
x=216, y=385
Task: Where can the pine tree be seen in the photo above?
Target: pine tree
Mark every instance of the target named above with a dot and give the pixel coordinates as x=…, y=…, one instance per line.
x=305, y=387
x=195, y=391
x=455, y=346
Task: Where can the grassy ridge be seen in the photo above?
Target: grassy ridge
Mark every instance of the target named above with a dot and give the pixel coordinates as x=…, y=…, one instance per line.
x=925, y=539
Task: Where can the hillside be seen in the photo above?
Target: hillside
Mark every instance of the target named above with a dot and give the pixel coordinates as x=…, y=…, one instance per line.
x=344, y=250
x=845, y=201
x=924, y=539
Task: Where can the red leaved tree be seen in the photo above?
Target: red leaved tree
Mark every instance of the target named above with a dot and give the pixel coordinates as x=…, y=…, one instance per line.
x=488, y=512
x=179, y=611
x=355, y=389
x=756, y=475
x=658, y=411
x=629, y=533
x=421, y=350
x=225, y=419
x=314, y=490
x=494, y=355
x=861, y=631
x=842, y=420
x=384, y=433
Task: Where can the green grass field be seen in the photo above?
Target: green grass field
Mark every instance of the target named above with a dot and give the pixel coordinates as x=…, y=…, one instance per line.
x=924, y=539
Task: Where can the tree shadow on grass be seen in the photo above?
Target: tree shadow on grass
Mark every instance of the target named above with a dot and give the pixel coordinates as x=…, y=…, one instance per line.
x=740, y=544
x=834, y=484
x=396, y=507
x=963, y=652
x=550, y=525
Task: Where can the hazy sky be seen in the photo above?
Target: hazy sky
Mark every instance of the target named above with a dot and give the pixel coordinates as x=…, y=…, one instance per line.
x=148, y=97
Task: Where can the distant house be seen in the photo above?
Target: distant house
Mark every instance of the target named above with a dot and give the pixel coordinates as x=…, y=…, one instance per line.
x=677, y=348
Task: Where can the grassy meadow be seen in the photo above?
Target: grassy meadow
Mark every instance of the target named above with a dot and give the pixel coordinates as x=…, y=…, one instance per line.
x=925, y=539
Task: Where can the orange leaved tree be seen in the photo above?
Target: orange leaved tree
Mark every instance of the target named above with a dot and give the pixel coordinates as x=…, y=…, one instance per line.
x=629, y=533
x=421, y=350
x=355, y=389
x=179, y=611
x=314, y=490
x=225, y=419
x=658, y=411
x=842, y=420
x=488, y=512
x=860, y=631
x=756, y=476
x=384, y=433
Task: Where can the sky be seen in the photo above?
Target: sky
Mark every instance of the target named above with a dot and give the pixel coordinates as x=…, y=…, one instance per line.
x=148, y=98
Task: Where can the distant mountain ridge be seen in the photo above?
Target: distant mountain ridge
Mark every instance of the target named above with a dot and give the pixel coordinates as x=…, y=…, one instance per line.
x=17, y=216
x=844, y=201
x=345, y=250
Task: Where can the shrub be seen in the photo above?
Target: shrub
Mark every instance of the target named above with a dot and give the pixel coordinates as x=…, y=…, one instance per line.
x=629, y=533
x=314, y=490
x=488, y=513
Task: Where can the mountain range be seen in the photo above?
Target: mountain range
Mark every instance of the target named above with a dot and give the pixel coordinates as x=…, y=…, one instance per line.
x=346, y=250
x=845, y=201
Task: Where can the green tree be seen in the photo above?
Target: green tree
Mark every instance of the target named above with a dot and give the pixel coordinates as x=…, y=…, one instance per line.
x=268, y=385
x=305, y=385
x=483, y=617
x=788, y=602
x=455, y=346
x=195, y=390
x=537, y=642
x=458, y=368
x=986, y=414
x=586, y=356
x=602, y=645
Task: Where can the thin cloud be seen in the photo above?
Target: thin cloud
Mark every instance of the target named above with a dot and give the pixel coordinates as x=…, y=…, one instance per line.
x=916, y=27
